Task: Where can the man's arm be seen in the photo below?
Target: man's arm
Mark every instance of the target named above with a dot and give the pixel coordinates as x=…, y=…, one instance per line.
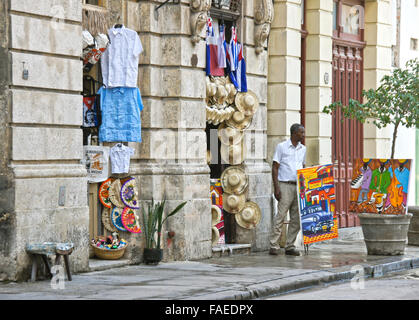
x=275, y=167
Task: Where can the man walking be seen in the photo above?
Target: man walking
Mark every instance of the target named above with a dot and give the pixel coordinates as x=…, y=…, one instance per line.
x=289, y=157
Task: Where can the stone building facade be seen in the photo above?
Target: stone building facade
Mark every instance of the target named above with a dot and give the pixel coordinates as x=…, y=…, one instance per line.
x=43, y=185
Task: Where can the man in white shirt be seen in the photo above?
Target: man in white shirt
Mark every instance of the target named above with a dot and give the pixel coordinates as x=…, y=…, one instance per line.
x=289, y=157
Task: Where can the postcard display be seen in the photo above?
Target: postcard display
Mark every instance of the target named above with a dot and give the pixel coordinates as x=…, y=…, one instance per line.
x=316, y=202
x=380, y=186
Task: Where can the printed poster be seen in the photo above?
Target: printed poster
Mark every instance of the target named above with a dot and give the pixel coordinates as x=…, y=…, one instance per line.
x=96, y=160
x=216, y=192
x=380, y=186
x=316, y=195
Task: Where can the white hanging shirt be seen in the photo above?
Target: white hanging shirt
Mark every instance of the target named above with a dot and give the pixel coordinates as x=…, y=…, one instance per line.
x=120, y=156
x=290, y=160
x=120, y=60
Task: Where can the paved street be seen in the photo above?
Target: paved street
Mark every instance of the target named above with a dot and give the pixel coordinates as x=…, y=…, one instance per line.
x=399, y=286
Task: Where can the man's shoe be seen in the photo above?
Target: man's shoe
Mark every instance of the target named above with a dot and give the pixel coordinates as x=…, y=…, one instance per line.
x=273, y=252
x=293, y=252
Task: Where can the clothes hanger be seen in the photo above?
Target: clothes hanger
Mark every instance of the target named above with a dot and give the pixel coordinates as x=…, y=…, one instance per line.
x=118, y=25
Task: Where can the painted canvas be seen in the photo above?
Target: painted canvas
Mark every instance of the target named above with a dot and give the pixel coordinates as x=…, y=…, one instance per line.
x=216, y=193
x=316, y=190
x=380, y=186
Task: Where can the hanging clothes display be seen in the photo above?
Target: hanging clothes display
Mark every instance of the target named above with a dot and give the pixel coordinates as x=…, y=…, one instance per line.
x=121, y=120
x=120, y=156
x=213, y=67
x=236, y=65
x=120, y=61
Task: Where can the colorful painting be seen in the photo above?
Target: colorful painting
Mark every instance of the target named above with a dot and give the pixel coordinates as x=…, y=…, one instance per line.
x=316, y=195
x=216, y=194
x=380, y=186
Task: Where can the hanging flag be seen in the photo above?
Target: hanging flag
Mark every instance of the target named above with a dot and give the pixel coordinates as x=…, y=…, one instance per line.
x=222, y=47
x=212, y=66
x=236, y=65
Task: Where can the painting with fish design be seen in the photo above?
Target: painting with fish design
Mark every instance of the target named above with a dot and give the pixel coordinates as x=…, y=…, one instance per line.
x=380, y=186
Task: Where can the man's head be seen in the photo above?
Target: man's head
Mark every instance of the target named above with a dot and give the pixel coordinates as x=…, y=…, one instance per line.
x=297, y=132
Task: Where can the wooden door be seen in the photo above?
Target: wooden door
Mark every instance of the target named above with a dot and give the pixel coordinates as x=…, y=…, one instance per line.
x=347, y=83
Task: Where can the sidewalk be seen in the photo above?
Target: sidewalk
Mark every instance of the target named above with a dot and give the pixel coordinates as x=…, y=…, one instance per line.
x=244, y=276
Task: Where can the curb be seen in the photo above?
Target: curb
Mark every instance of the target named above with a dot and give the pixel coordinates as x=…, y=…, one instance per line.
x=310, y=280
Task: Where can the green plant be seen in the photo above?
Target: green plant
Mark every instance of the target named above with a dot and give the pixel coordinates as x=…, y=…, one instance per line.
x=395, y=101
x=153, y=222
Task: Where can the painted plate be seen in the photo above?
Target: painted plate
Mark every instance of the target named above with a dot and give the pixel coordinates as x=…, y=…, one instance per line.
x=130, y=220
x=116, y=217
x=104, y=193
x=129, y=194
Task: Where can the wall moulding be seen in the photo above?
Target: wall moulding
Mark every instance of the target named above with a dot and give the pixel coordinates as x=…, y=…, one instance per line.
x=264, y=15
x=198, y=19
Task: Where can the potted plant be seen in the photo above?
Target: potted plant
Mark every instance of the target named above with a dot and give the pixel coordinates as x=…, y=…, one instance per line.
x=154, y=220
x=395, y=102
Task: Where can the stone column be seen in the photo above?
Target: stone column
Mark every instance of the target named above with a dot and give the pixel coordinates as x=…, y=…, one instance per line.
x=283, y=72
x=171, y=160
x=256, y=167
x=45, y=182
x=319, y=17
x=377, y=63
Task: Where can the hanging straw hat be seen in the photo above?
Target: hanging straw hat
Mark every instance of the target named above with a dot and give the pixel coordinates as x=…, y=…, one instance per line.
x=221, y=95
x=232, y=91
x=233, y=154
x=114, y=193
x=106, y=220
x=247, y=102
x=234, y=180
x=104, y=193
x=129, y=194
x=215, y=235
x=229, y=135
x=239, y=120
x=116, y=218
x=216, y=214
x=249, y=217
x=233, y=203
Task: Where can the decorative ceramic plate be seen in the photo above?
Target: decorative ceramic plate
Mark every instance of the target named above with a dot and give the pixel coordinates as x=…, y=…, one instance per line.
x=130, y=220
x=104, y=193
x=129, y=194
x=116, y=217
x=106, y=220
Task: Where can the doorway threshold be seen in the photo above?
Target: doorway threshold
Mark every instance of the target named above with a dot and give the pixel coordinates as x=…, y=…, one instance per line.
x=100, y=265
x=221, y=250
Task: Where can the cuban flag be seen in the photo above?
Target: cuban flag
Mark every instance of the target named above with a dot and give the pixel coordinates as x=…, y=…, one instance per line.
x=222, y=47
x=236, y=65
x=212, y=42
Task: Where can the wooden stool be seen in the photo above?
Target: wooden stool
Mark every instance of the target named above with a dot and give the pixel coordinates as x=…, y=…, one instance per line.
x=45, y=249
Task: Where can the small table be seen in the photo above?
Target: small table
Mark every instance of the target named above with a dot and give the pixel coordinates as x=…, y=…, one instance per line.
x=45, y=249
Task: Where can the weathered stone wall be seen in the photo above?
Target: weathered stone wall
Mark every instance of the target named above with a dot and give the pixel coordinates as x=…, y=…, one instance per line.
x=7, y=217
x=45, y=136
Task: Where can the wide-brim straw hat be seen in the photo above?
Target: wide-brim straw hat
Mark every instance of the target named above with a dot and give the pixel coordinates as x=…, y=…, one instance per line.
x=221, y=94
x=234, y=180
x=231, y=93
x=247, y=102
x=104, y=193
x=129, y=194
x=229, y=135
x=106, y=220
x=249, y=217
x=215, y=235
x=116, y=218
x=233, y=203
x=114, y=193
x=233, y=154
x=239, y=120
x=215, y=214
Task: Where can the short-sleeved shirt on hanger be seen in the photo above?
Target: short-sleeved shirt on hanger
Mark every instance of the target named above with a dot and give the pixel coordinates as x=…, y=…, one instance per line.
x=120, y=156
x=120, y=60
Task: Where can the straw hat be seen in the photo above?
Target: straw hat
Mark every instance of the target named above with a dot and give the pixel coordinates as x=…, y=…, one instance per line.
x=229, y=135
x=106, y=220
x=234, y=180
x=216, y=214
x=239, y=120
x=215, y=235
x=233, y=203
x=249, y=217
x=129, y=194
x=114, y=193
x=247, y=102
x=104, y=193
x=232, y=91
x=221, y=94
x=233, y=154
